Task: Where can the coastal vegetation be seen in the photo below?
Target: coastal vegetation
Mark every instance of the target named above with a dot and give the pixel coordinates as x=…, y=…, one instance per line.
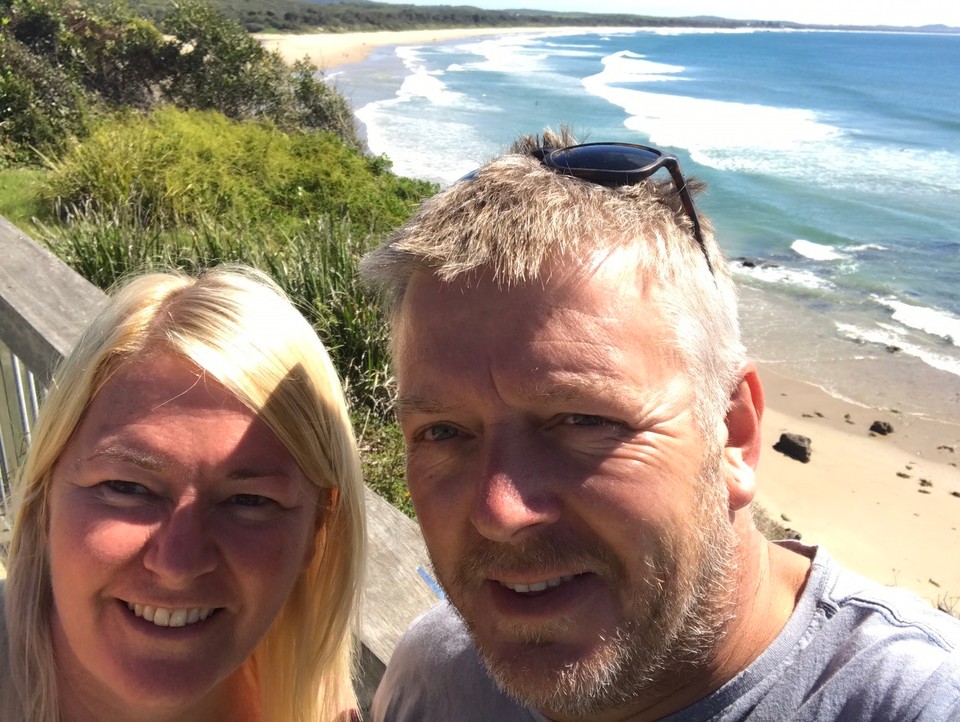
x=128, y=144
x=293, y=16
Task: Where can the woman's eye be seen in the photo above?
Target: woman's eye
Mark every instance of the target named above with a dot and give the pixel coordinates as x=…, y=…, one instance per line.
x=250, y=500
x=440, y=432
x=126, y=488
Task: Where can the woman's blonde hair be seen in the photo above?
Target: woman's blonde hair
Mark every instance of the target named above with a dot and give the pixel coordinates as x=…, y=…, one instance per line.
x=237, y=326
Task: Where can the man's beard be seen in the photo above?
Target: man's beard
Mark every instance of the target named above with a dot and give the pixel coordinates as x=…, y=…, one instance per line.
x=672, y=619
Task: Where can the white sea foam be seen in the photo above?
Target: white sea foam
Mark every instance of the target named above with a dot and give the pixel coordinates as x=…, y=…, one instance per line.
x=796, y=143
x=423, y=83
x=866, y=247
x=398, y=125
x=923, y=318
x=427, y=85
x=512, y=54
x=583, y=46
x=887, y=337
x=782, y=275
x=815, y=251
x=628, y=67
x=400, y=136
x=702, y=126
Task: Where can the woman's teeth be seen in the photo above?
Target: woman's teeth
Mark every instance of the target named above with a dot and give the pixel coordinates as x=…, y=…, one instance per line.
x=170, y=617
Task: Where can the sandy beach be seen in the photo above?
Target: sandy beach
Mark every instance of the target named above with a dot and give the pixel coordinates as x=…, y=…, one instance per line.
x=328, y=50
x=887, y=506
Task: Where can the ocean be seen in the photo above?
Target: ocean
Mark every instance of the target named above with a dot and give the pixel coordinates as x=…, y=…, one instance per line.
x=832, y=161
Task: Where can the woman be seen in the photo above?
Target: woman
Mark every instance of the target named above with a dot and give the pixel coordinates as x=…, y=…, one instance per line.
x=188, y=536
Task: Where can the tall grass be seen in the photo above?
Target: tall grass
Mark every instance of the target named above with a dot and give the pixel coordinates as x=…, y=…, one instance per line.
x=316, y=266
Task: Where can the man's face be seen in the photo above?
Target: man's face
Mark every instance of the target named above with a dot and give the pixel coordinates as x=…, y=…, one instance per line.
x=575, y=515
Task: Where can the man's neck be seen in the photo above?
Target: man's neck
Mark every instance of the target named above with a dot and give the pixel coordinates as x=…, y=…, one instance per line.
x=770, y=584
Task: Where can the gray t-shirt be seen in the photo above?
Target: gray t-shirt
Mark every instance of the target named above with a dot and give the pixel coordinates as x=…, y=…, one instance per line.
x=852, y=650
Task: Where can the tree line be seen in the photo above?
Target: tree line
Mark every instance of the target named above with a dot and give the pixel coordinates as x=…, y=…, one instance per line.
x=287, y=16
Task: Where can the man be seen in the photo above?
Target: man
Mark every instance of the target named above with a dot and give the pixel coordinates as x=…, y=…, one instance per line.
x=582, y=428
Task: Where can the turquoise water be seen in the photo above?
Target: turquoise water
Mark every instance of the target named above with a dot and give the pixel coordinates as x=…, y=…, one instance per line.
x=832, y=158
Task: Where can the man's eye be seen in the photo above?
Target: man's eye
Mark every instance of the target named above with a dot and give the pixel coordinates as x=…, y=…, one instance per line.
x=126, y=488
x=440, y=432
x=588, y=420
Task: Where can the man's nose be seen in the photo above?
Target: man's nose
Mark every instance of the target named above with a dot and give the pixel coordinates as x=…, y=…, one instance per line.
x=516, y=494
x=181, y=547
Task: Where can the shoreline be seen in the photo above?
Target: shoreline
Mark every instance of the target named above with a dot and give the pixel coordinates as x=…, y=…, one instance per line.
x=887, y=507
x=329, y=50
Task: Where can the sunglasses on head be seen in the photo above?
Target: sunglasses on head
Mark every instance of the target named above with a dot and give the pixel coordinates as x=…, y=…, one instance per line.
x=621, y=164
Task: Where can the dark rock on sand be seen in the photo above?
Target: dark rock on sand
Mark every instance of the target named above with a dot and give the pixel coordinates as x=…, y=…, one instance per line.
x=795, y=446
x=881, y=427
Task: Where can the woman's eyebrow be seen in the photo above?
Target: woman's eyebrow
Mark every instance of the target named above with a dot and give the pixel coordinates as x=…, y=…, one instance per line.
x=157, y=462
x=257, y=473
x=139, y=457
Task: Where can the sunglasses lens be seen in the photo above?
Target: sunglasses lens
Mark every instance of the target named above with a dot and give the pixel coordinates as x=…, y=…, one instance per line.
x=603, y=157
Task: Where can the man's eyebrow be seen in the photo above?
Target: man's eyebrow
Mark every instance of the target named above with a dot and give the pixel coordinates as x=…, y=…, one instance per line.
x=417, y=404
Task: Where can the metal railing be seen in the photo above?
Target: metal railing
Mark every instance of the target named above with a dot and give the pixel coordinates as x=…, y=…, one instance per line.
x=20, y=396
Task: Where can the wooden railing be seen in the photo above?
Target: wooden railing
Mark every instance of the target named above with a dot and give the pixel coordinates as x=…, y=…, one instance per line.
x=44, y=305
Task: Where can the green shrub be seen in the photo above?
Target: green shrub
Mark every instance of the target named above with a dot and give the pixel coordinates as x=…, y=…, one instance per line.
x=319, y=270
x=60, y=60
x=41, y=108
x=121, y=59
x=218, y=65
x=172, y=167
x=319, y=106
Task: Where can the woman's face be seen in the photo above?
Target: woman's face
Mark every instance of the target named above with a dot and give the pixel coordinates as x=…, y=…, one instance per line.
x=178, y=526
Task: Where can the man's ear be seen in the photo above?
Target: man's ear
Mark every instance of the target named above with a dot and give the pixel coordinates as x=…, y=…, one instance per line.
x=742, y=451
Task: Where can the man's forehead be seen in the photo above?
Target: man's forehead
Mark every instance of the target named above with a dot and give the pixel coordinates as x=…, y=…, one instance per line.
x=616, y=267
x=544, y=328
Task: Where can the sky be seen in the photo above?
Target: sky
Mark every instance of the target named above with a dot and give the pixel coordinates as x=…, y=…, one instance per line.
x=830, y=12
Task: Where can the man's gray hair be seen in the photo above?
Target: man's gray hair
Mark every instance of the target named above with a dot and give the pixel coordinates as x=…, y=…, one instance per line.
x=515, y=215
